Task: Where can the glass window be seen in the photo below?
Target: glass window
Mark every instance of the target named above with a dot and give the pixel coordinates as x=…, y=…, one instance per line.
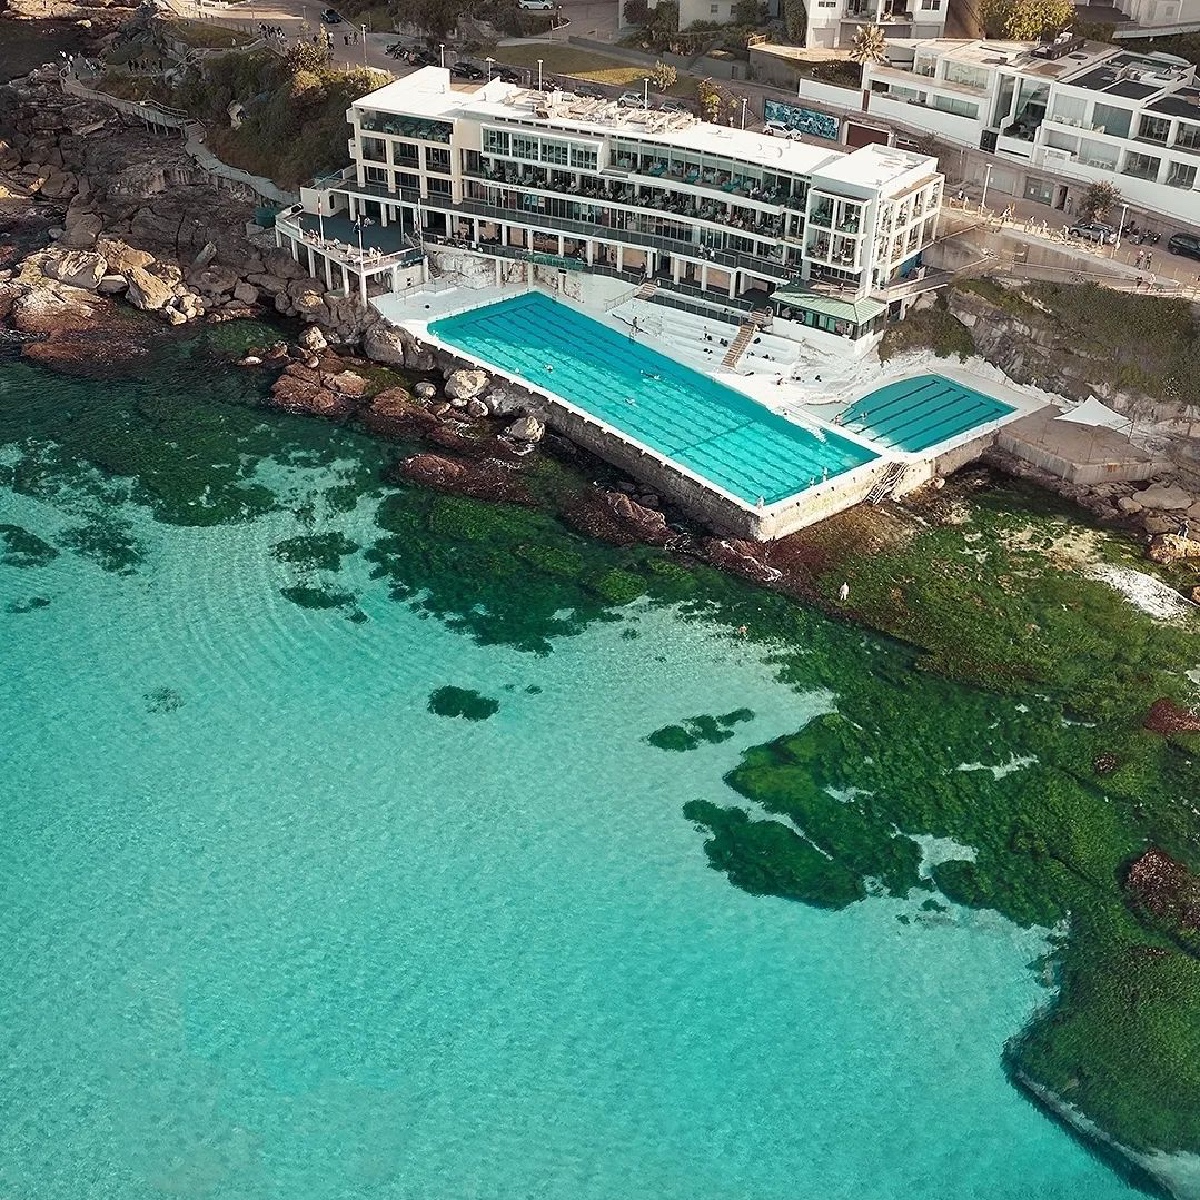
x=1099, y=154
x=1114, y=121
x=525, y=147
x=960, y=108
x=375, y=149
x=406, y=153
x=974, y=77
x=925, y=65
x=495, y=141
x=377, y=175
x=1188, y=135
x=1153, y=129
x=439, y=187
x=583, y=158
x=1070, y=110
x=1141, y=166
x=555, y=152
x=1183, y=175
x=437, y=159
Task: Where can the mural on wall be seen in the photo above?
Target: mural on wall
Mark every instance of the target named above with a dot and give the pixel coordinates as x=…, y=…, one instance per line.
x=803, y=120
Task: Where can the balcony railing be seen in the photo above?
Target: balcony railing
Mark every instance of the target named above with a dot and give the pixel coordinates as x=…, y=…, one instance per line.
x=756, y=264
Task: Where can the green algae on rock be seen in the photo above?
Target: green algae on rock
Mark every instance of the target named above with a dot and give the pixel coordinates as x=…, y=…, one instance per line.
x=692, y=732
x=316, y=551
x=24, y=549
x=450, y=701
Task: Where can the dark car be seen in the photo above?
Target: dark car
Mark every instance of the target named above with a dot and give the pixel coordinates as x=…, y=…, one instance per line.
x=592, y=93
x=329, y=16
x=1185, y=244
x=1094, y=231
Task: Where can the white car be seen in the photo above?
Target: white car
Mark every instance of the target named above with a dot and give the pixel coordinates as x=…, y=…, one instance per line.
x=779, y=129
x=537, y=5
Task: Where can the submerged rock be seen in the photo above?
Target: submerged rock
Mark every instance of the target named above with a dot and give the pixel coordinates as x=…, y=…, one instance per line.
x=487, y=480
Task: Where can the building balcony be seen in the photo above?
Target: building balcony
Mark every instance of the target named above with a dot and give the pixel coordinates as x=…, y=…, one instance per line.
x=335, y=238
x=771, y=266
x=632, y=195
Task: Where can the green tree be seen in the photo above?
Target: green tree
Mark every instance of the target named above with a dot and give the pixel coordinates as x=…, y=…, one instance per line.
x=663, y=76
x=708, y=96
x=637, y=12
x=752, y=13
x=1098, y=199
x=1026, y=20
x=869, y=46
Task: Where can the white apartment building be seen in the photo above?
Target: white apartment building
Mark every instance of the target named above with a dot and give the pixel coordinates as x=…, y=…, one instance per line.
x=700, y=211
x=1056, y=118
x=832, y=23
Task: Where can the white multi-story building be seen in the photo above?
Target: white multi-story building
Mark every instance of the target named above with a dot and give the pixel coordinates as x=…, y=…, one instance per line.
x=832, y=23
x=1056, y=117
x=703, y=211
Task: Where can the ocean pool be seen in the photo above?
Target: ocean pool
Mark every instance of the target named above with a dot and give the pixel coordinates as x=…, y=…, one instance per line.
x=712, y=430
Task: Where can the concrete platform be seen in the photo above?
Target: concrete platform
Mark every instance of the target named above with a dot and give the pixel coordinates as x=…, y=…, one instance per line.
x=1083, y=454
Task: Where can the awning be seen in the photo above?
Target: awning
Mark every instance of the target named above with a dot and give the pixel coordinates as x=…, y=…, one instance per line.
x=1092, y=412
x=858, y=312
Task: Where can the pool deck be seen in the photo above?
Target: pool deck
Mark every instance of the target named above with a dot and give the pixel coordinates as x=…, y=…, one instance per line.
x=791, y=390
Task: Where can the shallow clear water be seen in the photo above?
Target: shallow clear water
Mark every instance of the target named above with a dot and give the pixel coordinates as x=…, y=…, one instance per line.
x=273, y=929
x=712, y=430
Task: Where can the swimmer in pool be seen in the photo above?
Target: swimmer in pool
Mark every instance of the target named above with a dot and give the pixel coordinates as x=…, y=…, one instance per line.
x=650, y=375
x=631, y=400
x=549, y=368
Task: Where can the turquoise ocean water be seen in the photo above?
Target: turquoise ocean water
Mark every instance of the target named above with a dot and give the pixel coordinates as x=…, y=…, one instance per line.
x=273, y=929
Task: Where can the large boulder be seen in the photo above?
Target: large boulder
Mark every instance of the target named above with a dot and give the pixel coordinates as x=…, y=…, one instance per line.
x=50, y=312
x=214, y=280
x=313, y=339
x=467, y=383
x=245, y=293
x=346, y=383
x=384, y=343
x=1169, y=548
x=1164, y=496
x=147, y=291
x=526, y=429
x=75, y=268
x=82, y=230
x=504, y=401
x=120, y=255
x=112, y=285
x=487, y=480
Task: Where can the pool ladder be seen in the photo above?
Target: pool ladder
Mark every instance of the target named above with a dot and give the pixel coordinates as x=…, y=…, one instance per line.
x=886, y=483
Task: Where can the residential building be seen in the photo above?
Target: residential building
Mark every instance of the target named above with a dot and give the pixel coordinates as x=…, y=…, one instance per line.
x=1135, y=18
x=699, y=211
x=1056, y=117
x=832, y=23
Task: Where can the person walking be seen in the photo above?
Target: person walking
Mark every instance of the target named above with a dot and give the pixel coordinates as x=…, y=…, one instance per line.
x=1139, y=259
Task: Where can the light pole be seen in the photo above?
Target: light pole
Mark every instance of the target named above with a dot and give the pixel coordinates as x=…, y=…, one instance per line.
x=442, y=51
x=1120, y=229
x=489, y=63
x=539, y=74
x=363, y=28
x=743, y=112
x=646, y=92
x=987, y=178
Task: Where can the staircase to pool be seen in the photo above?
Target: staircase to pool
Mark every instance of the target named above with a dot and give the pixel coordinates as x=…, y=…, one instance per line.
x=745, y=335
x=886, y=483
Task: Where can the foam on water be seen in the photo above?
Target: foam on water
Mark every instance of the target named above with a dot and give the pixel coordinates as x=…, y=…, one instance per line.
x=292, y=935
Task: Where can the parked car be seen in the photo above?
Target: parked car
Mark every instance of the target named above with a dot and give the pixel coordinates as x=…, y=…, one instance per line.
x=466, y=70
x=1185, y=244
x=329, y=16
x=631, y=100
x=672, y=106
x=537, y=5
x=592, y=93
x=1094, y=231
x=779, y=129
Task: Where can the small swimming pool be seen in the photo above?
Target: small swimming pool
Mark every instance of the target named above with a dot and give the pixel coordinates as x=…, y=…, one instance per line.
x=715, y=432
x=915, y=414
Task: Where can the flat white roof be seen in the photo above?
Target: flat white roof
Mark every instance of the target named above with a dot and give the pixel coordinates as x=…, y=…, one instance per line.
x=875, y=166
x=429, y=93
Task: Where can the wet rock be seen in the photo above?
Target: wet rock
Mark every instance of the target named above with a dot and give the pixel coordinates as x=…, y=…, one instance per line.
x=299, y=390
x=477, y=409
x=505, y=401
x=346, y=383
x=467, y=383
x=384, y=343
x=174, y=317
x=51, y=312
x=526, y=429
x=486, y=480
x=740, y=558
x=616, y=518
x=425, y=390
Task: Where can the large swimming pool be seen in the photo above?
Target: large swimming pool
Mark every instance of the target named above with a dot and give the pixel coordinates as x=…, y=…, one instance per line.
x=710, y=429
x=917, y=413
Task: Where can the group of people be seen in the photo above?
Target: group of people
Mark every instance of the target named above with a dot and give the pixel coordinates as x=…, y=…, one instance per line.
x=270, y=31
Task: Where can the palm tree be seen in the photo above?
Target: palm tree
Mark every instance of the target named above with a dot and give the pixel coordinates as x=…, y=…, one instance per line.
x=869, y=46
